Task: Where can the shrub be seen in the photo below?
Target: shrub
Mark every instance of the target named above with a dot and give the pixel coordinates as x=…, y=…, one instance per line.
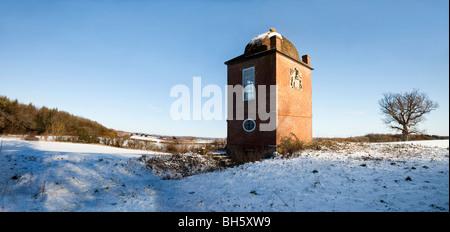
x=322, y=143
x=316, y=145
x=87, y=135
x=176, y=148
x=241, y=156
x=290, y=144
x=171, y=148
x=31, y=137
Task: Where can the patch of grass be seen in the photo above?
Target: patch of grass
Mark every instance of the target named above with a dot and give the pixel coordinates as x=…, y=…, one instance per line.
x=239, y=157
x=290, y=144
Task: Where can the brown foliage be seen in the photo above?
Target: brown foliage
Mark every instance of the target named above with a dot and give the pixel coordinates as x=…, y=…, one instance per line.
x=17, y=118
x=290, y=144
x=238, y=156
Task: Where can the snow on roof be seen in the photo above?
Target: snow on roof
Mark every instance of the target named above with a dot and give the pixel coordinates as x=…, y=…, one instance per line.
x=261, y=37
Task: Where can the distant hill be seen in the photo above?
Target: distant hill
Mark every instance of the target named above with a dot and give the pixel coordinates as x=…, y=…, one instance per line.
x=18, y=118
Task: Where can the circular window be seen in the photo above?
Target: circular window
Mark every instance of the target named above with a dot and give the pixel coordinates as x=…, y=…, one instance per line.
x=249, y=125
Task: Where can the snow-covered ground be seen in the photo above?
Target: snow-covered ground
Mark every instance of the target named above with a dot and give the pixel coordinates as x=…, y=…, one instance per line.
x=150, y=138
x=51, y=176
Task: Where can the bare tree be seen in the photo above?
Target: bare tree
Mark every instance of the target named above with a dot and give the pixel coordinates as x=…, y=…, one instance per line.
x=404, y=111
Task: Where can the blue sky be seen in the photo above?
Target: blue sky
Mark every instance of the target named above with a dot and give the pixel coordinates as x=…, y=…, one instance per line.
x=115, y=61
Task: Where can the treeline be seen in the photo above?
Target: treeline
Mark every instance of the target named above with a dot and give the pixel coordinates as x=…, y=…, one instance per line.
x=18, y=118
x=378, y=138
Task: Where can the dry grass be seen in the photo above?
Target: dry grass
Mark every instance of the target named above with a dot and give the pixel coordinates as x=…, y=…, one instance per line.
x=292, y=144
x=379, y=138
x=238, y=157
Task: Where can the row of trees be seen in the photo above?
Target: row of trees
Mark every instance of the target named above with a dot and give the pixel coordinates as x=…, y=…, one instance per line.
x=17, y=118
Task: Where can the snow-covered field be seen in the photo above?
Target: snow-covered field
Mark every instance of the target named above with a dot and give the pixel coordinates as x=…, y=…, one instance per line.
x=52, y=176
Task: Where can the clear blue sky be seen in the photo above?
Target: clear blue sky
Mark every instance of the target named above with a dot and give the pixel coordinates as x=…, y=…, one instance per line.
x=115, y=61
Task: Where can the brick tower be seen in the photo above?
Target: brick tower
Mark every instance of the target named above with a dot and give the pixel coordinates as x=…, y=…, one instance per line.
x=269, y=60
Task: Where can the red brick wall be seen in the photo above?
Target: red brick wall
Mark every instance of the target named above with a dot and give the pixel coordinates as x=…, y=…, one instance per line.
x=264, y=75
x=294, y=106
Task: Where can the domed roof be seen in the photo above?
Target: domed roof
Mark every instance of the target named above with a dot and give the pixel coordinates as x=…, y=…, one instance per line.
x=262, y=43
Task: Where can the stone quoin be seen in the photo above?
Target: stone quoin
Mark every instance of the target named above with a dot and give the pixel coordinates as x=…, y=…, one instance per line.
x=270, y=60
